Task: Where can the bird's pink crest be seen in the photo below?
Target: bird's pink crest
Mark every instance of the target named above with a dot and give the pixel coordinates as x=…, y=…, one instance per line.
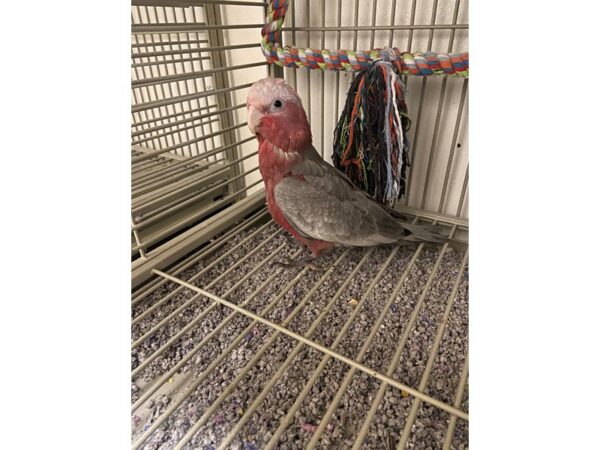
x=276, y=115
x=265, y=91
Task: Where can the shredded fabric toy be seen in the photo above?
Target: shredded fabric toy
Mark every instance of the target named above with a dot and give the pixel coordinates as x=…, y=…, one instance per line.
x=370, y=140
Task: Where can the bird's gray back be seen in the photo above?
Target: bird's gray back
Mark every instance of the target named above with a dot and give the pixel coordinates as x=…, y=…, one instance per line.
x=323, y=204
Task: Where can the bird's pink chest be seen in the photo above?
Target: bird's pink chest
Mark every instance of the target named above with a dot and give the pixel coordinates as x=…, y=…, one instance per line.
x=274, y=167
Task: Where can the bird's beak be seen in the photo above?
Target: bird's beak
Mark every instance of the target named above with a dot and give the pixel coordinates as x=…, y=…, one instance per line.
x=254, y=118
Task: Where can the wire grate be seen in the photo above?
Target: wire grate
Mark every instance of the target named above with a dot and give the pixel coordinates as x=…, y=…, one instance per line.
x=273, y=306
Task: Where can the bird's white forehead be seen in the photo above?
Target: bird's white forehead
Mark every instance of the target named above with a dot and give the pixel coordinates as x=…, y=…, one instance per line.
x=269, y=89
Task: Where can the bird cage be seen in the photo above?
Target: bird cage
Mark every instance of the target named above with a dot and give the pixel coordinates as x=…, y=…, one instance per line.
x=230, y=350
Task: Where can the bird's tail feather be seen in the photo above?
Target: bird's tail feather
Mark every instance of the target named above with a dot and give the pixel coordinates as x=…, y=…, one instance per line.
x=430, y=234
x=423, y=233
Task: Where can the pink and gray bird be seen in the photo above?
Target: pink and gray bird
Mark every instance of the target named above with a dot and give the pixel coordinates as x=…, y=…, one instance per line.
x=308, y=197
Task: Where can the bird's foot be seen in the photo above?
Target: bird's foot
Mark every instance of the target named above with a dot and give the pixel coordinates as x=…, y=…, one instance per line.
x=307, y=262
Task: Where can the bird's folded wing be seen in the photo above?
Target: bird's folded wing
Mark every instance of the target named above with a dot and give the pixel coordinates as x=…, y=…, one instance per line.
x=322, y=204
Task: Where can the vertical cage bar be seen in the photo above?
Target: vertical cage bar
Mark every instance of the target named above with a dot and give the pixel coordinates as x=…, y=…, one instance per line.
x=308, y=89
x=434, y=139
x=413, y=10
x=203, y=81
x=453, y=145
x=162, y=90
x=392, y=19
x=373, y=21
x=432, y=150
x=322, y=143
x=337, y=72
x=221, y=81
x=422, y=97
x=174, y=65
x=463, y=192
x=138, y=241
x=294, y=69
x=355, y=41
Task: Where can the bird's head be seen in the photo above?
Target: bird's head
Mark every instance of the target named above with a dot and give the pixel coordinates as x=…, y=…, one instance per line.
x=275, y=114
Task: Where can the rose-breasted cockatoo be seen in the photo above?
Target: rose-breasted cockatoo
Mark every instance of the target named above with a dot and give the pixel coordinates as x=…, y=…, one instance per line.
x=308, y=197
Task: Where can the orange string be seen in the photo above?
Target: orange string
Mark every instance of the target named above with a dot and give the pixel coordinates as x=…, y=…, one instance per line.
x=345, y=160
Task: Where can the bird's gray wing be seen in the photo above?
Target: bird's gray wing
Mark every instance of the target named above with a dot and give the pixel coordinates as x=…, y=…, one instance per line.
x=321, y=203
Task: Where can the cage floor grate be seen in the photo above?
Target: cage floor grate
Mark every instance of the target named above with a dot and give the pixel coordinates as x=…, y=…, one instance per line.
x=231, y=351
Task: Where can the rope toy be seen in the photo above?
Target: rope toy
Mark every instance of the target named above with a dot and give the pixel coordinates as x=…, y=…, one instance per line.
x=370, y=142
x=418, y=63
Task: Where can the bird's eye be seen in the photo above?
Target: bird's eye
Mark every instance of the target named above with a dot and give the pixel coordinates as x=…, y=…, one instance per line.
x=277, y=104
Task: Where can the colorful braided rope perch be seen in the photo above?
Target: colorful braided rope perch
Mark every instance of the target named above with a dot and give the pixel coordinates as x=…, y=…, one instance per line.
x=417, y=63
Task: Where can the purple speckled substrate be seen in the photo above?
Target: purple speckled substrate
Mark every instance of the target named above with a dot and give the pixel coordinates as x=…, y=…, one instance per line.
x=431, y=423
